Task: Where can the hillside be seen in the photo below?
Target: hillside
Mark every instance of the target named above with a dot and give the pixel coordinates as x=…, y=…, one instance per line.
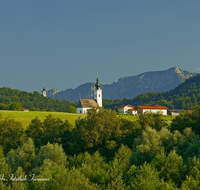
x=32, y=100
x=129, y=87
x=184, y=96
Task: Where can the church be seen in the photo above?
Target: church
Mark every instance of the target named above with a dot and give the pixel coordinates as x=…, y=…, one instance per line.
x=44, y=92
x=85, y=104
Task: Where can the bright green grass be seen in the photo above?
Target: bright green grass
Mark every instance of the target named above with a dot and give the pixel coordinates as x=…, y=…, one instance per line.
x=26, y=117
x=130, y=117
x=135, y=117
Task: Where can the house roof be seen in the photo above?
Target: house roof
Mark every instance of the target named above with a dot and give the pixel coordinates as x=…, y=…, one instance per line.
x=132, y=109
x=153, y=107
x=122, y=106
x=87, y=103
x=190, y=111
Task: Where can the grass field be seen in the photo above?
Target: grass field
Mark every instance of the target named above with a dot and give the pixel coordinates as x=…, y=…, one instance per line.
x=26, y=117
x=134, y=118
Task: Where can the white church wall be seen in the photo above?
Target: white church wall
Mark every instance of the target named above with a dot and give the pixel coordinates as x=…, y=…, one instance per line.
x=98, y=97
x=82, y=110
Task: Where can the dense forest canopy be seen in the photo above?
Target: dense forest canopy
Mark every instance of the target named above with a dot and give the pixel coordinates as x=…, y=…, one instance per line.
x=102, y=151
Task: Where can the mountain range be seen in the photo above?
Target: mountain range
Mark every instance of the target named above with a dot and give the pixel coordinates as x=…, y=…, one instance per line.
x=128, y=87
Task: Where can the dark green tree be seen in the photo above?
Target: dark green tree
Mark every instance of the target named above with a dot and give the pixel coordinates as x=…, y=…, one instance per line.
x=12, y=134
x=15, y=106
x=51, y=130
x=71, y=109
x=152, y=120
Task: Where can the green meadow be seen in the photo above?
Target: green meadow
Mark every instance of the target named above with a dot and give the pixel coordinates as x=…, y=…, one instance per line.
x=26, y=117
x=135, y=117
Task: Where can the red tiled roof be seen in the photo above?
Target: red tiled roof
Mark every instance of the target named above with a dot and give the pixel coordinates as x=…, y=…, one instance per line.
x=153, y=107
x=190, y=111
x=122, y=106
x=133, y=109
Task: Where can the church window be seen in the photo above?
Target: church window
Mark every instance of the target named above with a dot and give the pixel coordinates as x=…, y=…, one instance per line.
x=99, y=95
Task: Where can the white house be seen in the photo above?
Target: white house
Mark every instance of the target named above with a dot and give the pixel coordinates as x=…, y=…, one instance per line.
x=85, y=104
x=124, y=108
x=152, y=109
x=175, y=112
x=132, y=111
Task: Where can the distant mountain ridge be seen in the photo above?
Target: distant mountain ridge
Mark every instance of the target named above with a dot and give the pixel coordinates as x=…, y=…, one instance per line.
x=129, y=87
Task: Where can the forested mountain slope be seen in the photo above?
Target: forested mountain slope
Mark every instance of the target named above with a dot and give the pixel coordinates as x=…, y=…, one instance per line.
x=184, y=96
x=129, y=87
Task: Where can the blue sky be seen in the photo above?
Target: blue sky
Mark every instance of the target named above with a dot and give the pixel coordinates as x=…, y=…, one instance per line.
x=65, y=43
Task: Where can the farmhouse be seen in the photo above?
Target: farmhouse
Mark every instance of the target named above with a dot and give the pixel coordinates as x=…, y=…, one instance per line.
x=85, y=104
x=132, y=111
x=152, y=109
x=124, y=108
x=177, y=112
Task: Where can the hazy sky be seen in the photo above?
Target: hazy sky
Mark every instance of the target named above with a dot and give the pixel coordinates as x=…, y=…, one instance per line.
x=65, y=43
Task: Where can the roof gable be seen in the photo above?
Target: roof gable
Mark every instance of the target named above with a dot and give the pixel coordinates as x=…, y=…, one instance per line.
x=87, y=103
x=123, y=106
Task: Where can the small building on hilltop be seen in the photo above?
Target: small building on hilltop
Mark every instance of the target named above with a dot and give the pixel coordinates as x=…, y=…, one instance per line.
x=152, y=109
x=44, y=92
x=85, y=104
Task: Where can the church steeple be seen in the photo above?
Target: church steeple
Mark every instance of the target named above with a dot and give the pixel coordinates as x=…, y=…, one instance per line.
x=44, y=88
x=44, y=94
x=98, y=92
x=97, y=85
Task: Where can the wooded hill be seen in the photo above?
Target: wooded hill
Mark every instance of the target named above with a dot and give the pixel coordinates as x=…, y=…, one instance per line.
x=184, y=96
x=32, y=100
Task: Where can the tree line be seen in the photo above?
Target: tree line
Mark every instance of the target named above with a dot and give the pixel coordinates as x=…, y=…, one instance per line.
x=102, y=151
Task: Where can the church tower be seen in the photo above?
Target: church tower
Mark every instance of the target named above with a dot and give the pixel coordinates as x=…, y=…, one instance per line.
x=98, y=93
x=44, y=93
